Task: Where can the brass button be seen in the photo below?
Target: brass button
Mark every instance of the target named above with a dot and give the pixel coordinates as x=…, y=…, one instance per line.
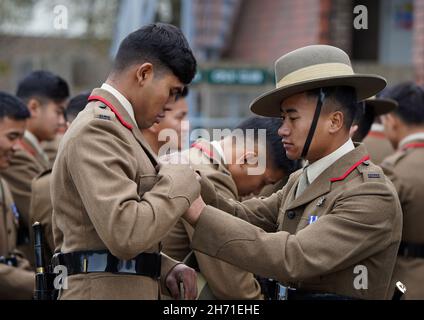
x=291, y=214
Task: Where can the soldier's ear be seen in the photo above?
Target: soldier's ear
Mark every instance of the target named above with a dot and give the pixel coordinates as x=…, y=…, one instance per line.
x=34, y=106
x=353, y=129
x=144, y=73
x=336, y=122
x=249, y=158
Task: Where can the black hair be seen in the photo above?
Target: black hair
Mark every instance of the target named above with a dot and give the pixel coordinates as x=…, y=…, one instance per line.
x=364, y=118
x=161, y=44
x=12, y=107
x=44, y=85
x=274, y=144
x=410, y=98
x=76, y=105
x=344, y=99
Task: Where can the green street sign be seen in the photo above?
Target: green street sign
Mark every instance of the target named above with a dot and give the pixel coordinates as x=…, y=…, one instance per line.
x=227, y=76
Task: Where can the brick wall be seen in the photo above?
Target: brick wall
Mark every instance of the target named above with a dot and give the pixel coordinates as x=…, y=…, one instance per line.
x=268, y=29
x=418, y=49
x=340, y=21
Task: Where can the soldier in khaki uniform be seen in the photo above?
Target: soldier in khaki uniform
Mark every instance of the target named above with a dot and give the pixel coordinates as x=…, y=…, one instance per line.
x=368, y=111
x=16, y=278
x=334, y=230
x=367, y=127
x=41, y=204
x=213, y=161
x=50, y=147
x=45, y=95
x=377, y=143
x=112, y=203
x=405, y=129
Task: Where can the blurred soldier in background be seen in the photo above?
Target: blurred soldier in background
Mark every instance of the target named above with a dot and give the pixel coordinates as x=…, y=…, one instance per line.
x=41, y=205
x=369, y=110
x=16, y=278
x=375, y=140
x=45, y=95
x=215, y=162
x=404, y=128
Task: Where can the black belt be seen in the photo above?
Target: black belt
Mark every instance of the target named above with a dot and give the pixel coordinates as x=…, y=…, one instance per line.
x=286, y=293
x=11, y=261
x=145, y=264
x=299, y=295
x=412, y=250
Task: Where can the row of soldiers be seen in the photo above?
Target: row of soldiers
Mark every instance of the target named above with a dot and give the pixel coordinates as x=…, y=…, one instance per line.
x=129, y=224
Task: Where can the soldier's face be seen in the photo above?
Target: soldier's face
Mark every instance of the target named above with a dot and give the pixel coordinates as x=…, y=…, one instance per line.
x=253, y=184
x=159, y=91
x=173, y=126
x=297, y=114
x=48, y=119
x=11, y=131
x=391, y=124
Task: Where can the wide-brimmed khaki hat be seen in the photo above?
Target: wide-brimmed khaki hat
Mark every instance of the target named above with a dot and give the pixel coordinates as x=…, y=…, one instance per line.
x=313, y=67
x=381, y=105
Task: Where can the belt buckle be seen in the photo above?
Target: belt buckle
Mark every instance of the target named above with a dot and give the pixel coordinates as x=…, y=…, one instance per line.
x=282, y=292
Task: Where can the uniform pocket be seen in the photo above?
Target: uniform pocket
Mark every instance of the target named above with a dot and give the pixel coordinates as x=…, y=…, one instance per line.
x=146, y=183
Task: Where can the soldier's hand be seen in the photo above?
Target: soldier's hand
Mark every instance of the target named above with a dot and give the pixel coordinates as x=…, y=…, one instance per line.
x=174, y=158
x=185, y=275
x=192, y=215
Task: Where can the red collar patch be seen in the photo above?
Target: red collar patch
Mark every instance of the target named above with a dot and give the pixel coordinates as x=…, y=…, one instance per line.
x=28, y=148
x=113, y=109
x=350, y=169
x=377, y=134
x=206, y=151
x=415, y=145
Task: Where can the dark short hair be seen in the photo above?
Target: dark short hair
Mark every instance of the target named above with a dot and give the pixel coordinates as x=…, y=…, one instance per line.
x=12, y=107
x=76, y=105
x=364, y=118
x=274, y=144
x=161, y=44
x=410, y=98
x=344, y=99
x=43, y=84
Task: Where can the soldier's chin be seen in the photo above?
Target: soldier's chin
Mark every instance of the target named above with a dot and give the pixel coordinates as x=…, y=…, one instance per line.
x=292, y=155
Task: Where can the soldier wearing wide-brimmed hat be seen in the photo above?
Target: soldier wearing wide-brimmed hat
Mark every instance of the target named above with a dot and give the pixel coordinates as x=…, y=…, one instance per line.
x=333, y=231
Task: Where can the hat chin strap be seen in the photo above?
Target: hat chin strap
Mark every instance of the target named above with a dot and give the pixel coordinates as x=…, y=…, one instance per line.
x=313, y=124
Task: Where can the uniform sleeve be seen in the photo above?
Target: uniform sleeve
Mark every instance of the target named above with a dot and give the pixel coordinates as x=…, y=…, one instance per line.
x=41, y=211
x=360, y=225
x=167, y=265
x=127, y=223
x=16, y=283
x=226, y=281
x=402, y=189
x=177, y=243
x=261, y=212
x=19, y=177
